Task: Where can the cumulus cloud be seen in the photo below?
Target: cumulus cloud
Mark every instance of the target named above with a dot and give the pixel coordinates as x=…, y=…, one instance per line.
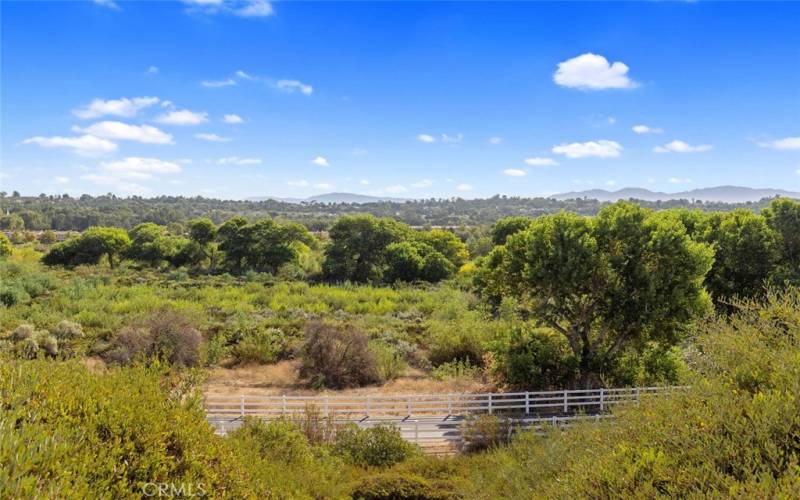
x=644, y=129
x=679, y=180
x=233, y=119
x=495, y=140
x=139, y=168
x=785, y=144
x=123, y=107
x=596, y=149
x=464, y=187
x=321, y=161
x=215, y=84
x=85, y=145
x=593, y=72
x=211, y=137
x=426, y=138
x=235, y=160
x=452, y=138
x=183, y=117
x=364, y=182
x=119, y=131
x=515, y=172
x=291, y=86
x=682, y=147
x=152, y=70
x=424, y=183
x=538, y=161
x=107, y=3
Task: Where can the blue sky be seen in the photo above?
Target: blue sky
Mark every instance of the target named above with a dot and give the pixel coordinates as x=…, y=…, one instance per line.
x=238, y=99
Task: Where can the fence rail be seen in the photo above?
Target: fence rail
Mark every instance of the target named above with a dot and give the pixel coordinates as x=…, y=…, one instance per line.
x=412, y=405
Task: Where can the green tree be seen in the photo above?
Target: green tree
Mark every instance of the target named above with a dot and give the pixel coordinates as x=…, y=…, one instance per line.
x=783, y=217
x=151, y=243
x=608, y=284
x=262, y=246
x=5, y=246
x=90, y=247
x=507, y=226
x=11, y=222
x=746, y=254
x=357, y=251
x=447, y=244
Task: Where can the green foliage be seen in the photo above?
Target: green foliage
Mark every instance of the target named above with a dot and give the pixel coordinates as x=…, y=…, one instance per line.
x=357, y=251
x=261, y=346
x=606, y=284
x=465, y=337
x=507, y=226
x=274, y=440
x=388, y=360
x=456, y=370
x=534, y=359
x=746, y=255
x=89, y=248
x=6, y=248
x=152, y=244
x=398, y=486
x=378, y=446
x=481, y=432
x=263, y=246
x=783, y=217
x=447, y=244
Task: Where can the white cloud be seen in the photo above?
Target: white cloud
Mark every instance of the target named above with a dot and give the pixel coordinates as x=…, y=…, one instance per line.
x=515, y=172
x=61, y=179
x=651, y=180
x=785, y=144
x=183, y=117
x=644, y=129
x=85, y=145
x=235, y=160
x=211, y=137
x=233, y=119
x=593, y=72
x=244, y=76
x=300, y=183
x=107, y=3
x=323, y=185
x=215, y=84
x=117, y=183
x=398, y=188
x=426, y=138
x=321, y=161
x=241, y=8
x=364, y=182
x=464, y=187
x=424, y=183
x=291, y=86
x=123, y=107
x=139, y=168
x=452, y=138
x=611, y=183
x=495, y=140
x=152, y=70
x=597, y=149
x=120, y=131
x=681, y=147
x=538, y=161
x=678, y=180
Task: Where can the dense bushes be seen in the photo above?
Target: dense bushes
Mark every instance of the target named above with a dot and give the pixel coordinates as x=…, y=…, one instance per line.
x=534, y=359
x=336, y=357
x=164, y=334
x=379, y=446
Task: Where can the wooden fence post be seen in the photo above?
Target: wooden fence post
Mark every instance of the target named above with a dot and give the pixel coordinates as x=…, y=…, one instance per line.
x=527, y=403
x=490, y=403
x=602, y=402
x=566, y=401
x=284, y=404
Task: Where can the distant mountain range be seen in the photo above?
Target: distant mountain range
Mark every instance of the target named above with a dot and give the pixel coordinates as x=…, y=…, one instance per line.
x=726, y=194
x=332, y=198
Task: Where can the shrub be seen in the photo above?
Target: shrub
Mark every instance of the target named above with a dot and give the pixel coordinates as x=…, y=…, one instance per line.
x=379, y=446
x=66, y=329
x=396, y=486
x=534, y=359
x=49, y=344
x=484, y=432
x=12, y=295
x=23, y=332
x=261, y=346
x=275, y=440
x=464, y=338
x=28, y=348
x=459, y=369
x=389, y=361
x=6, y=248
x=164, y=334
x=337, y=358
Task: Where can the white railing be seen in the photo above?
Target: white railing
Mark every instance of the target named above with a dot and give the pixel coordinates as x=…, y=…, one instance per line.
x=512, y=403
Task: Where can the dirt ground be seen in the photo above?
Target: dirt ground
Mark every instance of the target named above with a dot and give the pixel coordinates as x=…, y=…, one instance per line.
x=282, y=379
